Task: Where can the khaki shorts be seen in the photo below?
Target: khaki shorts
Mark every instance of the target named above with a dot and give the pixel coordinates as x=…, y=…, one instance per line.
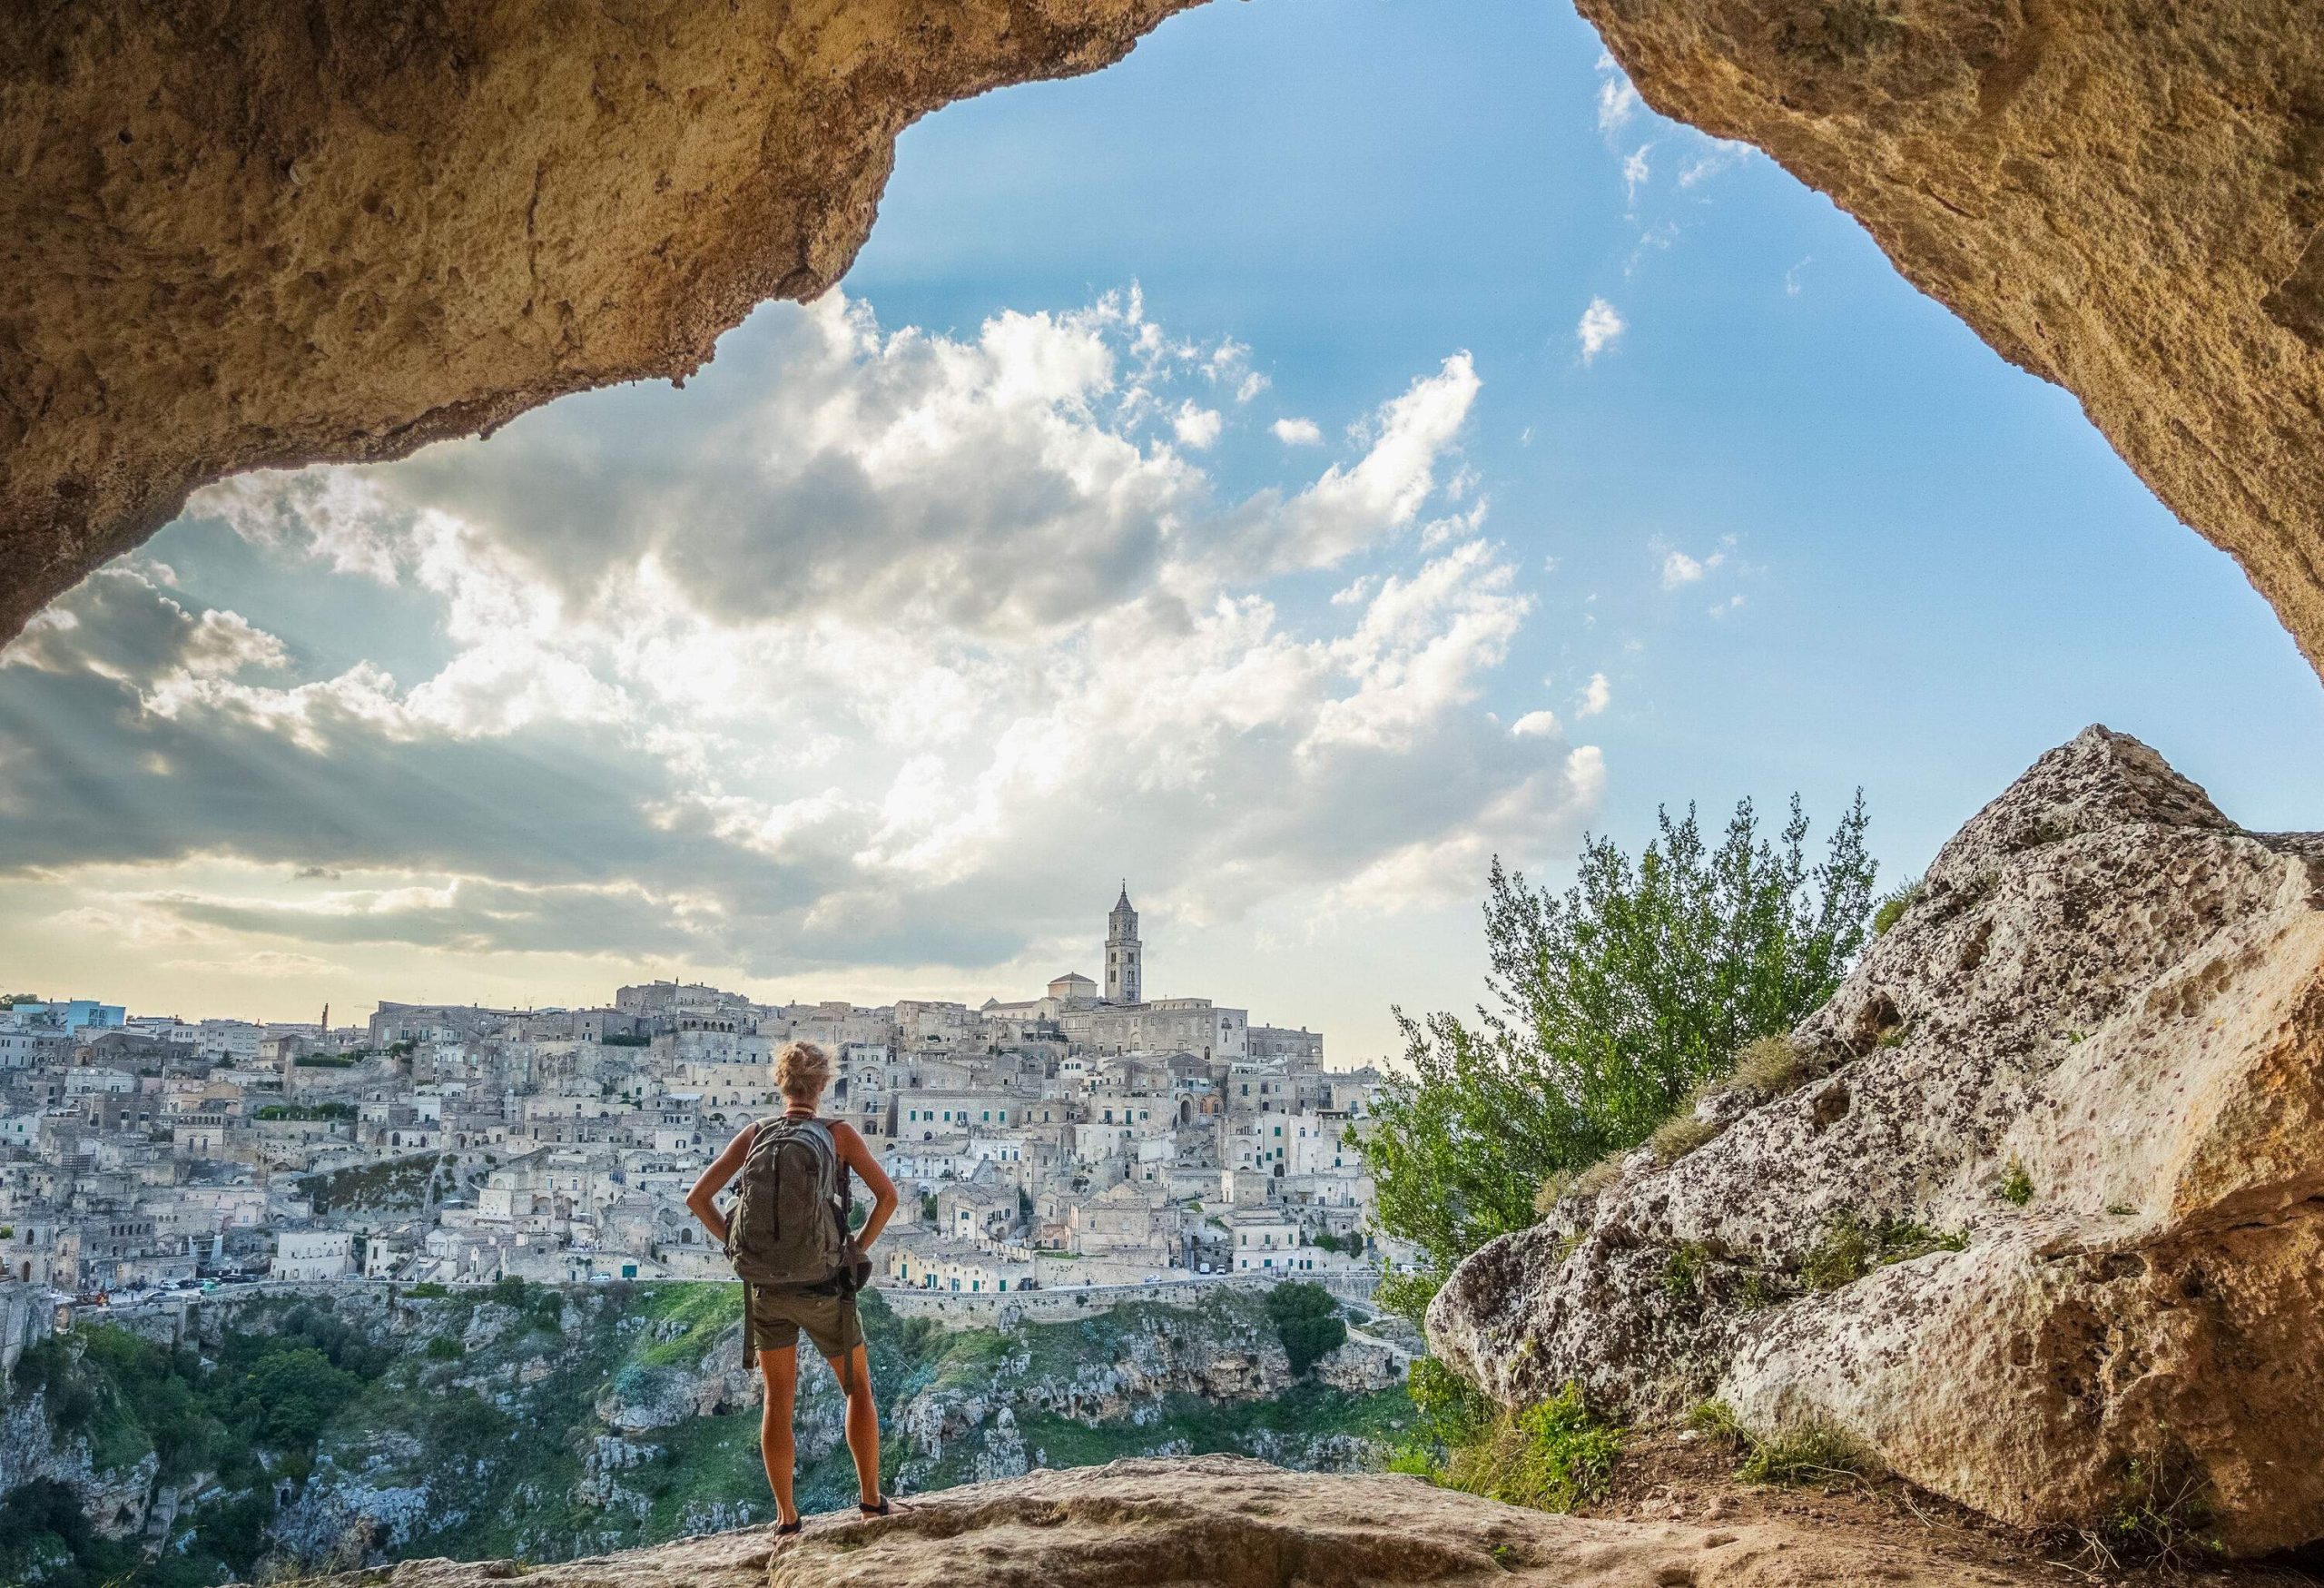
x=773, y=1318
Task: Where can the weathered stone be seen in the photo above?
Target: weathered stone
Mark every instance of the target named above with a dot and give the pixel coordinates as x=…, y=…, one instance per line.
x=1225, y=1520
x=2122, y=196
x=241, y=233
x=2108, y=1000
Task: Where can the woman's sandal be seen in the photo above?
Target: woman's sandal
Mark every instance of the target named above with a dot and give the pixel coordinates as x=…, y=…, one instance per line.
x=782, y=1529
x=881, y=1509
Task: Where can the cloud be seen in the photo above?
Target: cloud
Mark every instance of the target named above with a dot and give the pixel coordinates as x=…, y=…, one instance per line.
x=1599, y=327
x=869, y=648
x=1618, y=102
x=1635, y=171
x=1197, y=427
x=1721, y=156
x=1348, y=509
x=1594, y=697
x=263, y=963
x=1536, y=724
x=1296, y=432
x=1679, y=568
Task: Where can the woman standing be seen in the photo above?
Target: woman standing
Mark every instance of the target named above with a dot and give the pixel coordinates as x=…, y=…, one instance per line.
x=824, y=1309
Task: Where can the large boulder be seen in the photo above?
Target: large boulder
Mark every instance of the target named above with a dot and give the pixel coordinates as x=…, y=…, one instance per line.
x=2090, y=1056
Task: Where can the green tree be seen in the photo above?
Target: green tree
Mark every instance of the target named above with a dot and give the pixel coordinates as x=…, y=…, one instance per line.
x=1609, y=1003
x=1309, y=1322
x=296, y=1391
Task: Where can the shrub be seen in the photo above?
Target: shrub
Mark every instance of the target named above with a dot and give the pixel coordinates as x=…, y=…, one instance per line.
x=2017, y=1186
x=1614, y=999
x=428, y=1290
x=1893, y=905
x=1309, y=1323
x=1850, y=1249
x=1552, y=1456
x=1680, y=1135
x=1811, y=1452
x=1841, y=1254
x=1716, y=1420
x=445, y=1348
x=2163, y=1511
x=1453, y=1412
x=1407, y=1294
x=1771, y=1067
x=1682, y=1272
x=1901, y=1243
x=1592, y=1180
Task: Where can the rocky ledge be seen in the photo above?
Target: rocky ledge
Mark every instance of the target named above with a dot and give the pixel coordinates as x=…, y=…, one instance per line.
x=2032, y=1209
x=1230, y=1520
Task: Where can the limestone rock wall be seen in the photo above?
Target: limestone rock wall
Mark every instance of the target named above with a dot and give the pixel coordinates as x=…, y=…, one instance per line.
x=236, y=233
x=2122, y=196
x=2045, y=1215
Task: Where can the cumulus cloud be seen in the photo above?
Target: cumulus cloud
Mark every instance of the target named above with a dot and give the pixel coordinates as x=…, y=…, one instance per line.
x=1594, y=697
x=1536, y=724
x=863, y=650
x=1298, y=432
x=1197, y=426
x=1600, y=327
x=1679, y=568
x=1349, y=507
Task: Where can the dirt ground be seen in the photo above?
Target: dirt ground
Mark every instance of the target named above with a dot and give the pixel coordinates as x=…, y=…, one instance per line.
x=1673, y=1476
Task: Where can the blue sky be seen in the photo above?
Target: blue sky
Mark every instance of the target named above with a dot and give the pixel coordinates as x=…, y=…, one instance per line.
x=1790, y=526
x=1952, y=570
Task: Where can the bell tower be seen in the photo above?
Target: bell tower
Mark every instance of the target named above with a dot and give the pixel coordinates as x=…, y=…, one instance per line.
x=1124, y=984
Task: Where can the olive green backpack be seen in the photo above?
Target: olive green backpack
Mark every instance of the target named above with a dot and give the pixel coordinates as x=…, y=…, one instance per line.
x=789, y=1225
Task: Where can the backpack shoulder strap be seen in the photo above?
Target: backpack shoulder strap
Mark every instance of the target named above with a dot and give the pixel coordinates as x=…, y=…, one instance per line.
x=842, y=1183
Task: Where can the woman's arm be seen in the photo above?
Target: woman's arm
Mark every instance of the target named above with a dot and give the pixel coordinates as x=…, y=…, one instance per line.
x=703, y=1200
x=857, y=1155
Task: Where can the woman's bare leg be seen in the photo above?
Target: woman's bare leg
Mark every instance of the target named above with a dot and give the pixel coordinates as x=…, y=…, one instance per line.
x=780, y=1371
x=854, y=1371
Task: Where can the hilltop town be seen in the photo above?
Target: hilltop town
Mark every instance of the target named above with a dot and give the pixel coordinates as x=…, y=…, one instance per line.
x=1085, y=1137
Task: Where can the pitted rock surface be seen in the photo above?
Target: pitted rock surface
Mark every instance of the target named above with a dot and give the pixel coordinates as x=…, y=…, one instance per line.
x=1239, y=1524
x=2123, y=196
x=239, y=233
x=2106, y=988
